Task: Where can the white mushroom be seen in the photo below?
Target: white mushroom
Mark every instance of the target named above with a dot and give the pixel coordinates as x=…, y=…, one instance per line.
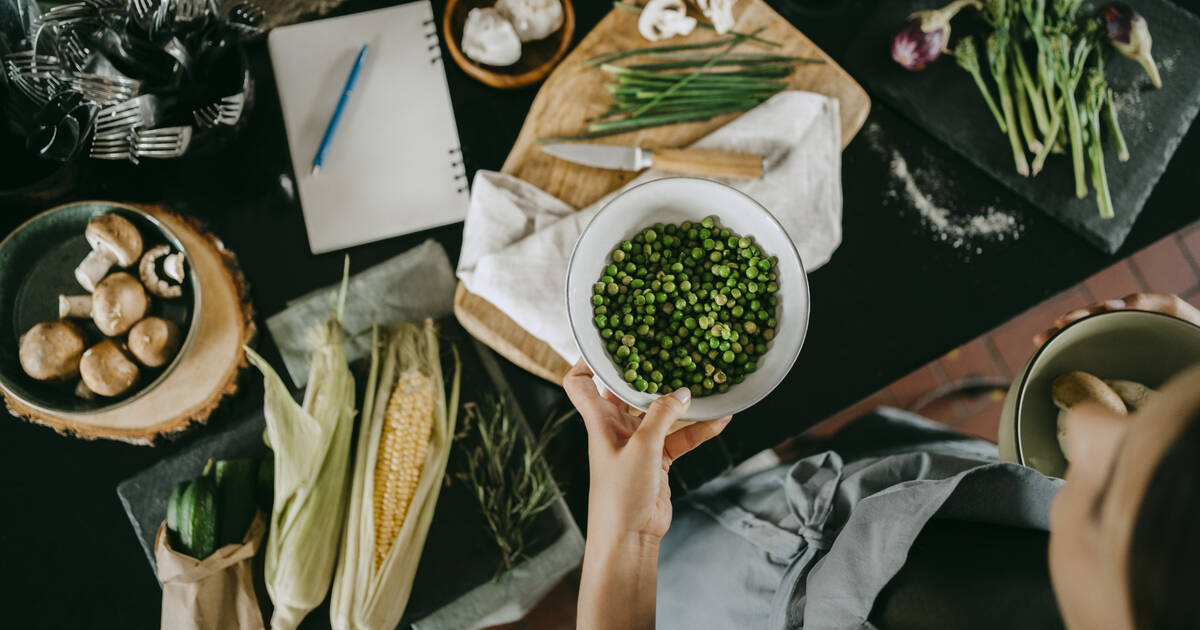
x=107, y=370
x=154, y=340
x=532, y=19
x=156, y=282
x=173, y=266
x=114, y=241
x=490, y=39
x=663, y=19
x=50, y=351
x=719, y=12
x=1132, y=393
x=1075, y=387
x=118, y=303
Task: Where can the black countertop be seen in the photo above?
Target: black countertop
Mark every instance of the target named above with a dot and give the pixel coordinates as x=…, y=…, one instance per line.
x=892, y=298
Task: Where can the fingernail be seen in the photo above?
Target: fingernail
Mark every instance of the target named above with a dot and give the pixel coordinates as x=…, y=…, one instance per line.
x=682, y=394
x=1114, y=303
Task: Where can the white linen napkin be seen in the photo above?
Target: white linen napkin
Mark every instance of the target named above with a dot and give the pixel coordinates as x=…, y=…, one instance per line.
x=518, y=239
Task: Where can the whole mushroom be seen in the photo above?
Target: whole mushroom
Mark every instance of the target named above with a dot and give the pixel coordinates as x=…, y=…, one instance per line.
x=154, y=340
x=1075, y=387
x=532, y=19
x=107, y=370
x=118, y=303
x=490, y=39
x=114, y=241
x=50, y=351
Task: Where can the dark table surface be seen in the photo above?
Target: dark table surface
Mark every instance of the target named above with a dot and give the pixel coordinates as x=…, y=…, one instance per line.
x=891, y=299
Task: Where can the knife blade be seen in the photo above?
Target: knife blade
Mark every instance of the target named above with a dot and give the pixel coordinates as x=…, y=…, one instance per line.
x=685, y=161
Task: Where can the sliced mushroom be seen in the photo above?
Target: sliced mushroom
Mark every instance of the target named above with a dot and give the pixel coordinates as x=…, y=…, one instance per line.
x=1075, y=387
x=173, y=266
x=118, y=303
x=50, y=351
x=158, y=283
x=719, y=12
x=1132, y=393
x=154, y=341
x=107, y=369
x=663, y=19
x=76, y=306
x=114, y=241
x=490, y=39
x=532, y=19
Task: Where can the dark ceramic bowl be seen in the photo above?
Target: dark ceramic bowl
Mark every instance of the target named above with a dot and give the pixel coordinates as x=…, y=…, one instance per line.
x=37, y=263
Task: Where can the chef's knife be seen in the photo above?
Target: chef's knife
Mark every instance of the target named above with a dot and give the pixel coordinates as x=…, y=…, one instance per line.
x=686, y=161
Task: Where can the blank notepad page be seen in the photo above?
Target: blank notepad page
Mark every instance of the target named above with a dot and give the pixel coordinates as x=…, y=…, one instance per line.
x=394, y=165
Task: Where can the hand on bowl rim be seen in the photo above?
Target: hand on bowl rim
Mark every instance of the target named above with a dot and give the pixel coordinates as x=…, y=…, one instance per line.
x=1166, y=303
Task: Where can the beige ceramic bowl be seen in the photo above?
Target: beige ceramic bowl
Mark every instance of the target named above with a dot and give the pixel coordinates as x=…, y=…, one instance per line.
x=1136, y=345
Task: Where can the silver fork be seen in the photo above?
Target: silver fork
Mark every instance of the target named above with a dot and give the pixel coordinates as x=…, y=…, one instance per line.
x=103, y=90
x=140, y=111
x=111, y=146
x=226, y=111
x=164, y=142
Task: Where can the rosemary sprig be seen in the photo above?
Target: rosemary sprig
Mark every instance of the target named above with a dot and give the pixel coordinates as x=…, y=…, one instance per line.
x=507, y=474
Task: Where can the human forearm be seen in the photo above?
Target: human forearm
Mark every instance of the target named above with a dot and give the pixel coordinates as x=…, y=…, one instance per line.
x=618, y=585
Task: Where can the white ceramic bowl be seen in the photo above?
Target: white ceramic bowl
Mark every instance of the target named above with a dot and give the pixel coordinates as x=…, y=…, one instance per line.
x=673, y=200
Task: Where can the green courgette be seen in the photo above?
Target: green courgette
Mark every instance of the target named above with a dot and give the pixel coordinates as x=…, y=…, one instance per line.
x=198, y=518
x=235, y=480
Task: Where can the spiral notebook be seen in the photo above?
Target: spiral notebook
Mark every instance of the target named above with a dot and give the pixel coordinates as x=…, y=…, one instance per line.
x=394, y=166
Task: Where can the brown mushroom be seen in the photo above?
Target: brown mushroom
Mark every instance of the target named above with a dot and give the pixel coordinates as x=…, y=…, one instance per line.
x=107, y=370
x=1075, y=387
x=114, y=241
x=118, y=303
x=75, y=306
x=160, y=283
x=1132, y=393
x=50, y=351
x=154, y=340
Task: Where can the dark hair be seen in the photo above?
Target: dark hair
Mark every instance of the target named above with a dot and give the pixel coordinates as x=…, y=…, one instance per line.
x=1164, y=562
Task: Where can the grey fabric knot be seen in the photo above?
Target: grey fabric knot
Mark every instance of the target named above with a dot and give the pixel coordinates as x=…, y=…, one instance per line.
x=815, y=537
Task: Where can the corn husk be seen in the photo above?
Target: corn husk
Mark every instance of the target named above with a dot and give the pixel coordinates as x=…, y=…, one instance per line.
x=371, y=595
x=312, y=455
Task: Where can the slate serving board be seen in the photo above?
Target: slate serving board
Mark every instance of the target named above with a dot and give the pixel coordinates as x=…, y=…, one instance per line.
x=943, y=100
x=458, y=556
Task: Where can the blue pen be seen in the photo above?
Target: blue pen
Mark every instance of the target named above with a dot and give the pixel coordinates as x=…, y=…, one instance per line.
x=337, y=112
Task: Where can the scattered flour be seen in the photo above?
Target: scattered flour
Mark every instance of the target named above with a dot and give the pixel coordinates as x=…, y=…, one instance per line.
x=960, y=231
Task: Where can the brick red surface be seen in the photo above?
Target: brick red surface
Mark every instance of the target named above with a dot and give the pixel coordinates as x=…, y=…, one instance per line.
x=830, y=425
x=1114, y=282
x=1014, y=340
x=1164, y=268
x=1190, y=239
x=974, y=358
x=983, y=419
x=911, y=387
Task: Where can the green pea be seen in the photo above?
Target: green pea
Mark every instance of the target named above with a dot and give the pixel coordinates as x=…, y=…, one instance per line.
x=651, y=236
x=750, y=327
x=668, y=287
x=640, y=384
x=769, y=334
x=606, y=333
x=630, y=375
x=728, y=356
x=707, y=222
x=622, y=352
x=732, y=242
x=651, y=387
x=602, y=321
x=627, y=340
x=597, y=300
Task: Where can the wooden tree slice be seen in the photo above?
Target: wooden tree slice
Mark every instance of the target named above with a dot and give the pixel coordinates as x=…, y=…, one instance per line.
x=206, y=374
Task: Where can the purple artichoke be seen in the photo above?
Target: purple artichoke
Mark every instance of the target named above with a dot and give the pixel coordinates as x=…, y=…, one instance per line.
x=923, y=37
x=1130, y=35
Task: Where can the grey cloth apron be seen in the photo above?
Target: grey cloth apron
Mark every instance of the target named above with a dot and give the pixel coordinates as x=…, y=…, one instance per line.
x=810, y=545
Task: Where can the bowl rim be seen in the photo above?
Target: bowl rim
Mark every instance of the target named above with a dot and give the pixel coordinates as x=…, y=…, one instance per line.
x=1028, y=370
x=183, y=347
x=500, y=79
x=791, y=363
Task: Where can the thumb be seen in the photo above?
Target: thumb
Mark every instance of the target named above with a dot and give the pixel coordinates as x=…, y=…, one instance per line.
x=663, y=413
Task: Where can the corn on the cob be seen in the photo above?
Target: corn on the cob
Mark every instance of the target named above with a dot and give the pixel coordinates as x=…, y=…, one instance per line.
x=403, y=446
x=407, y=423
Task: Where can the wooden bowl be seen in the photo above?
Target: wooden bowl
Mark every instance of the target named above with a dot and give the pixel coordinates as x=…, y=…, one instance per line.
x=538, y=57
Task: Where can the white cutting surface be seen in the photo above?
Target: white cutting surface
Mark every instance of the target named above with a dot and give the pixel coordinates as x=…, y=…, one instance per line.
x=394, y=166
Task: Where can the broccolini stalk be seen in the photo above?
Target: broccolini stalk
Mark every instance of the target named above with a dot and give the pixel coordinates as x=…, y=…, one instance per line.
x=968, y=59
x=1069, y=64
x=997, y=54
x=1031, y=88
x=1031, y=139
x=1035, y=15
x=1092, y=105
x=1110, y=117
x=1039, y=160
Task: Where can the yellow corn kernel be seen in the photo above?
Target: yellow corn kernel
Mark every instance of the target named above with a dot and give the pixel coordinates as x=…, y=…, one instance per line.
x=408, y=422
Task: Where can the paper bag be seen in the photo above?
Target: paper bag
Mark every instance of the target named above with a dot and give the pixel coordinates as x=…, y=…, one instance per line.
x=216, y=593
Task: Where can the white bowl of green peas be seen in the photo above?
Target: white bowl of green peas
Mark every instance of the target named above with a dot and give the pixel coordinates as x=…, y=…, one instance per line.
x=685, y=282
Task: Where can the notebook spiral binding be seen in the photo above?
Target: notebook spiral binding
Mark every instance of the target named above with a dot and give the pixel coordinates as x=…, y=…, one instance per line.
x=460, y=170
x=431, y=40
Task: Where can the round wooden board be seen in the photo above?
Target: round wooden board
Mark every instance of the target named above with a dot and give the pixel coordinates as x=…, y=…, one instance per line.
x=206, y=374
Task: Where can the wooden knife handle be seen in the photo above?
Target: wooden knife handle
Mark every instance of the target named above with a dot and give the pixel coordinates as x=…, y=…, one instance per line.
x=710, y=163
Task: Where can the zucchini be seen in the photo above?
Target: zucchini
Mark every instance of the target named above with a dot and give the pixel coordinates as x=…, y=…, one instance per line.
x=198, y=517
x=174, y=506
x=235, y=480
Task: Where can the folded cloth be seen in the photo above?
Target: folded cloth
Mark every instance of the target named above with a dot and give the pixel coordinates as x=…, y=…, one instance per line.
x=518, y=239
x=409, y=287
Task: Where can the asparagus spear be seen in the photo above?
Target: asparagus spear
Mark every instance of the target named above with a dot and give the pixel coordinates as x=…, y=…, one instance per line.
x=968, y=59
x=997, y=54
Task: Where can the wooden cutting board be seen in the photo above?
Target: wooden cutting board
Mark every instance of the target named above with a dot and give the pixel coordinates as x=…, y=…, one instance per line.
x=573, y=93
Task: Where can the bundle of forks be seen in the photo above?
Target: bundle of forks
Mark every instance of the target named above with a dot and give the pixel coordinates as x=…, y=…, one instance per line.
x=125, y=79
